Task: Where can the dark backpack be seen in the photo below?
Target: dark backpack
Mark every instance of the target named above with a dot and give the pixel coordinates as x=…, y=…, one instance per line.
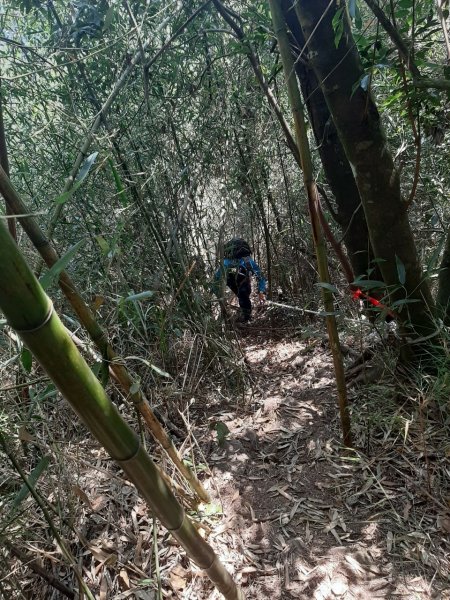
x=236, y=248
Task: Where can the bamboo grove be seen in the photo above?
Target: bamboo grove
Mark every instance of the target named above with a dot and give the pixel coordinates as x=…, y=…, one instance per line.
x=136, y=137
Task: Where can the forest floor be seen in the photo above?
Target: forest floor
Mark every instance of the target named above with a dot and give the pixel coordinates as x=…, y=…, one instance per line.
x=294, y=514
x=304, y=518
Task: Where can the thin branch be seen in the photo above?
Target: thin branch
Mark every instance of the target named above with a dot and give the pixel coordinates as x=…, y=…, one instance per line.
x=405, y=52
x=32, y=564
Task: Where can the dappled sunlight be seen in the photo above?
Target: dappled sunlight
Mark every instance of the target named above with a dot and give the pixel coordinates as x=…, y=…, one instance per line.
x=301, y=517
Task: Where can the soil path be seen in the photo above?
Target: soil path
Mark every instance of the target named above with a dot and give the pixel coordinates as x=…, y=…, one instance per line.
x=303, y=518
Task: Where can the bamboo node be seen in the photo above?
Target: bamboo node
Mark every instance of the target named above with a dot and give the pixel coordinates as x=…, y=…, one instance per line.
x=41, y=325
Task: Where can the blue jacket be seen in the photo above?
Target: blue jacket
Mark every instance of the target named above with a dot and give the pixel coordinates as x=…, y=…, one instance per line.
x=246, y=263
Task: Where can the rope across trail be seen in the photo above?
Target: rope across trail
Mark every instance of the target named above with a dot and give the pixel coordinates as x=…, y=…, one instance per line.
x=320, y=313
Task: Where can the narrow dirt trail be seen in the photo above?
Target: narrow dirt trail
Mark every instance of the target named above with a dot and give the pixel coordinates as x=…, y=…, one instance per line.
x=303, y=518
x=294, y=515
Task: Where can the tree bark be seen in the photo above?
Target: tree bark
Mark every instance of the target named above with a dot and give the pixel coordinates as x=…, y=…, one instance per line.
x=359, y=127
x=337, y=169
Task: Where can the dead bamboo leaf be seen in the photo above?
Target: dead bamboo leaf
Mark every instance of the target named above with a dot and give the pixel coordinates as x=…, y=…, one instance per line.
x=123, y=575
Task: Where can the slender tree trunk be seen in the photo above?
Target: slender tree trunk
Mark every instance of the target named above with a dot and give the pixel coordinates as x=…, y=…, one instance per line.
x=358, y=124
x=4, y=162
x=337, y=169
x=313, y=205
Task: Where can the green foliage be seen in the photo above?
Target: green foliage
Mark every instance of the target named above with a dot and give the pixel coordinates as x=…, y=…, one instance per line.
x=26, y=359
x=83, y=173
x=32, y=480
x=53, y=273
x=401, y=270
x=338, y=25
x=222, y=432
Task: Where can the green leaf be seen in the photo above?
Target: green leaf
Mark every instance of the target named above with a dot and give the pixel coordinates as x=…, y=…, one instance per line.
x=222, y=432
x=327, y=286
x=79, y=180
x=401, y=271
x=96, y=367
x=140, y=296
x=338, y=25
x=86, y=167
x=404, y=301
x=109, y=17
x=368, y=284
x=26, y=359
x=212, y=509
x=32, y=480
x=150, y=366
x=53, y=273
x=119, y=185
x=104, y=246
x=49, y=392
x=433, y=261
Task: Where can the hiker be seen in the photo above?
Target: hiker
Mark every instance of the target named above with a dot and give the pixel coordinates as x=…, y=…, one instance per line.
x=237, y=267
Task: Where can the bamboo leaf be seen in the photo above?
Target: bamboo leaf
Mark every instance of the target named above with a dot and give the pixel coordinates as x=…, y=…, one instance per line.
x=119, y=185
x=338, y=25
x=103, y=244
x=109, y=17
x=328, y=286
x=160, y=371
x=140, y=296
x=135, y=387
x=401, y=270
x=150, y=366
x=86, y=167
x=32, y=480
x=53, y=273
x=26, y=359
x=404, y=301
x=368, y=283
x=79, y=180
x=222, y=432
x=352, y=8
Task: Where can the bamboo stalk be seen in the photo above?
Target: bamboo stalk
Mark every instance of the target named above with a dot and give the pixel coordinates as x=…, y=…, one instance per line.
x=135, y=60
x=30, y=313
x=313, y=206
x=4, y=162
x=96, y=333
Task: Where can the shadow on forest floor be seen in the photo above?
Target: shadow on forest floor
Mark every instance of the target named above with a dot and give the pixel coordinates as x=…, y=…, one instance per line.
x=303, y=517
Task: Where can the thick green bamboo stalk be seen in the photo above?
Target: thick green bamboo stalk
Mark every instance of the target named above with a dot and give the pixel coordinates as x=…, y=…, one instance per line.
x=30, y=313
x=313, y=205
x=97, y=334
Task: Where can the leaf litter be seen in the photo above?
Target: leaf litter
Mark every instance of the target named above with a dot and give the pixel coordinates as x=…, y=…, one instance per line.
x=296, y=515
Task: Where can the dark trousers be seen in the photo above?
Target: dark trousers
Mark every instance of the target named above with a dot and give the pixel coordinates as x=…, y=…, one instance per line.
x=241, y=286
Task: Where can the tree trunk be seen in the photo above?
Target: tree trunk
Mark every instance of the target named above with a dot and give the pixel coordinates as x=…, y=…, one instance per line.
x=337, y=169
x=358, y=124
x=443, y=296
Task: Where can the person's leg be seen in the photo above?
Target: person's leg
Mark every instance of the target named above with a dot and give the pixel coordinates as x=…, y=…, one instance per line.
x=244, y=291
x=231, y=283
